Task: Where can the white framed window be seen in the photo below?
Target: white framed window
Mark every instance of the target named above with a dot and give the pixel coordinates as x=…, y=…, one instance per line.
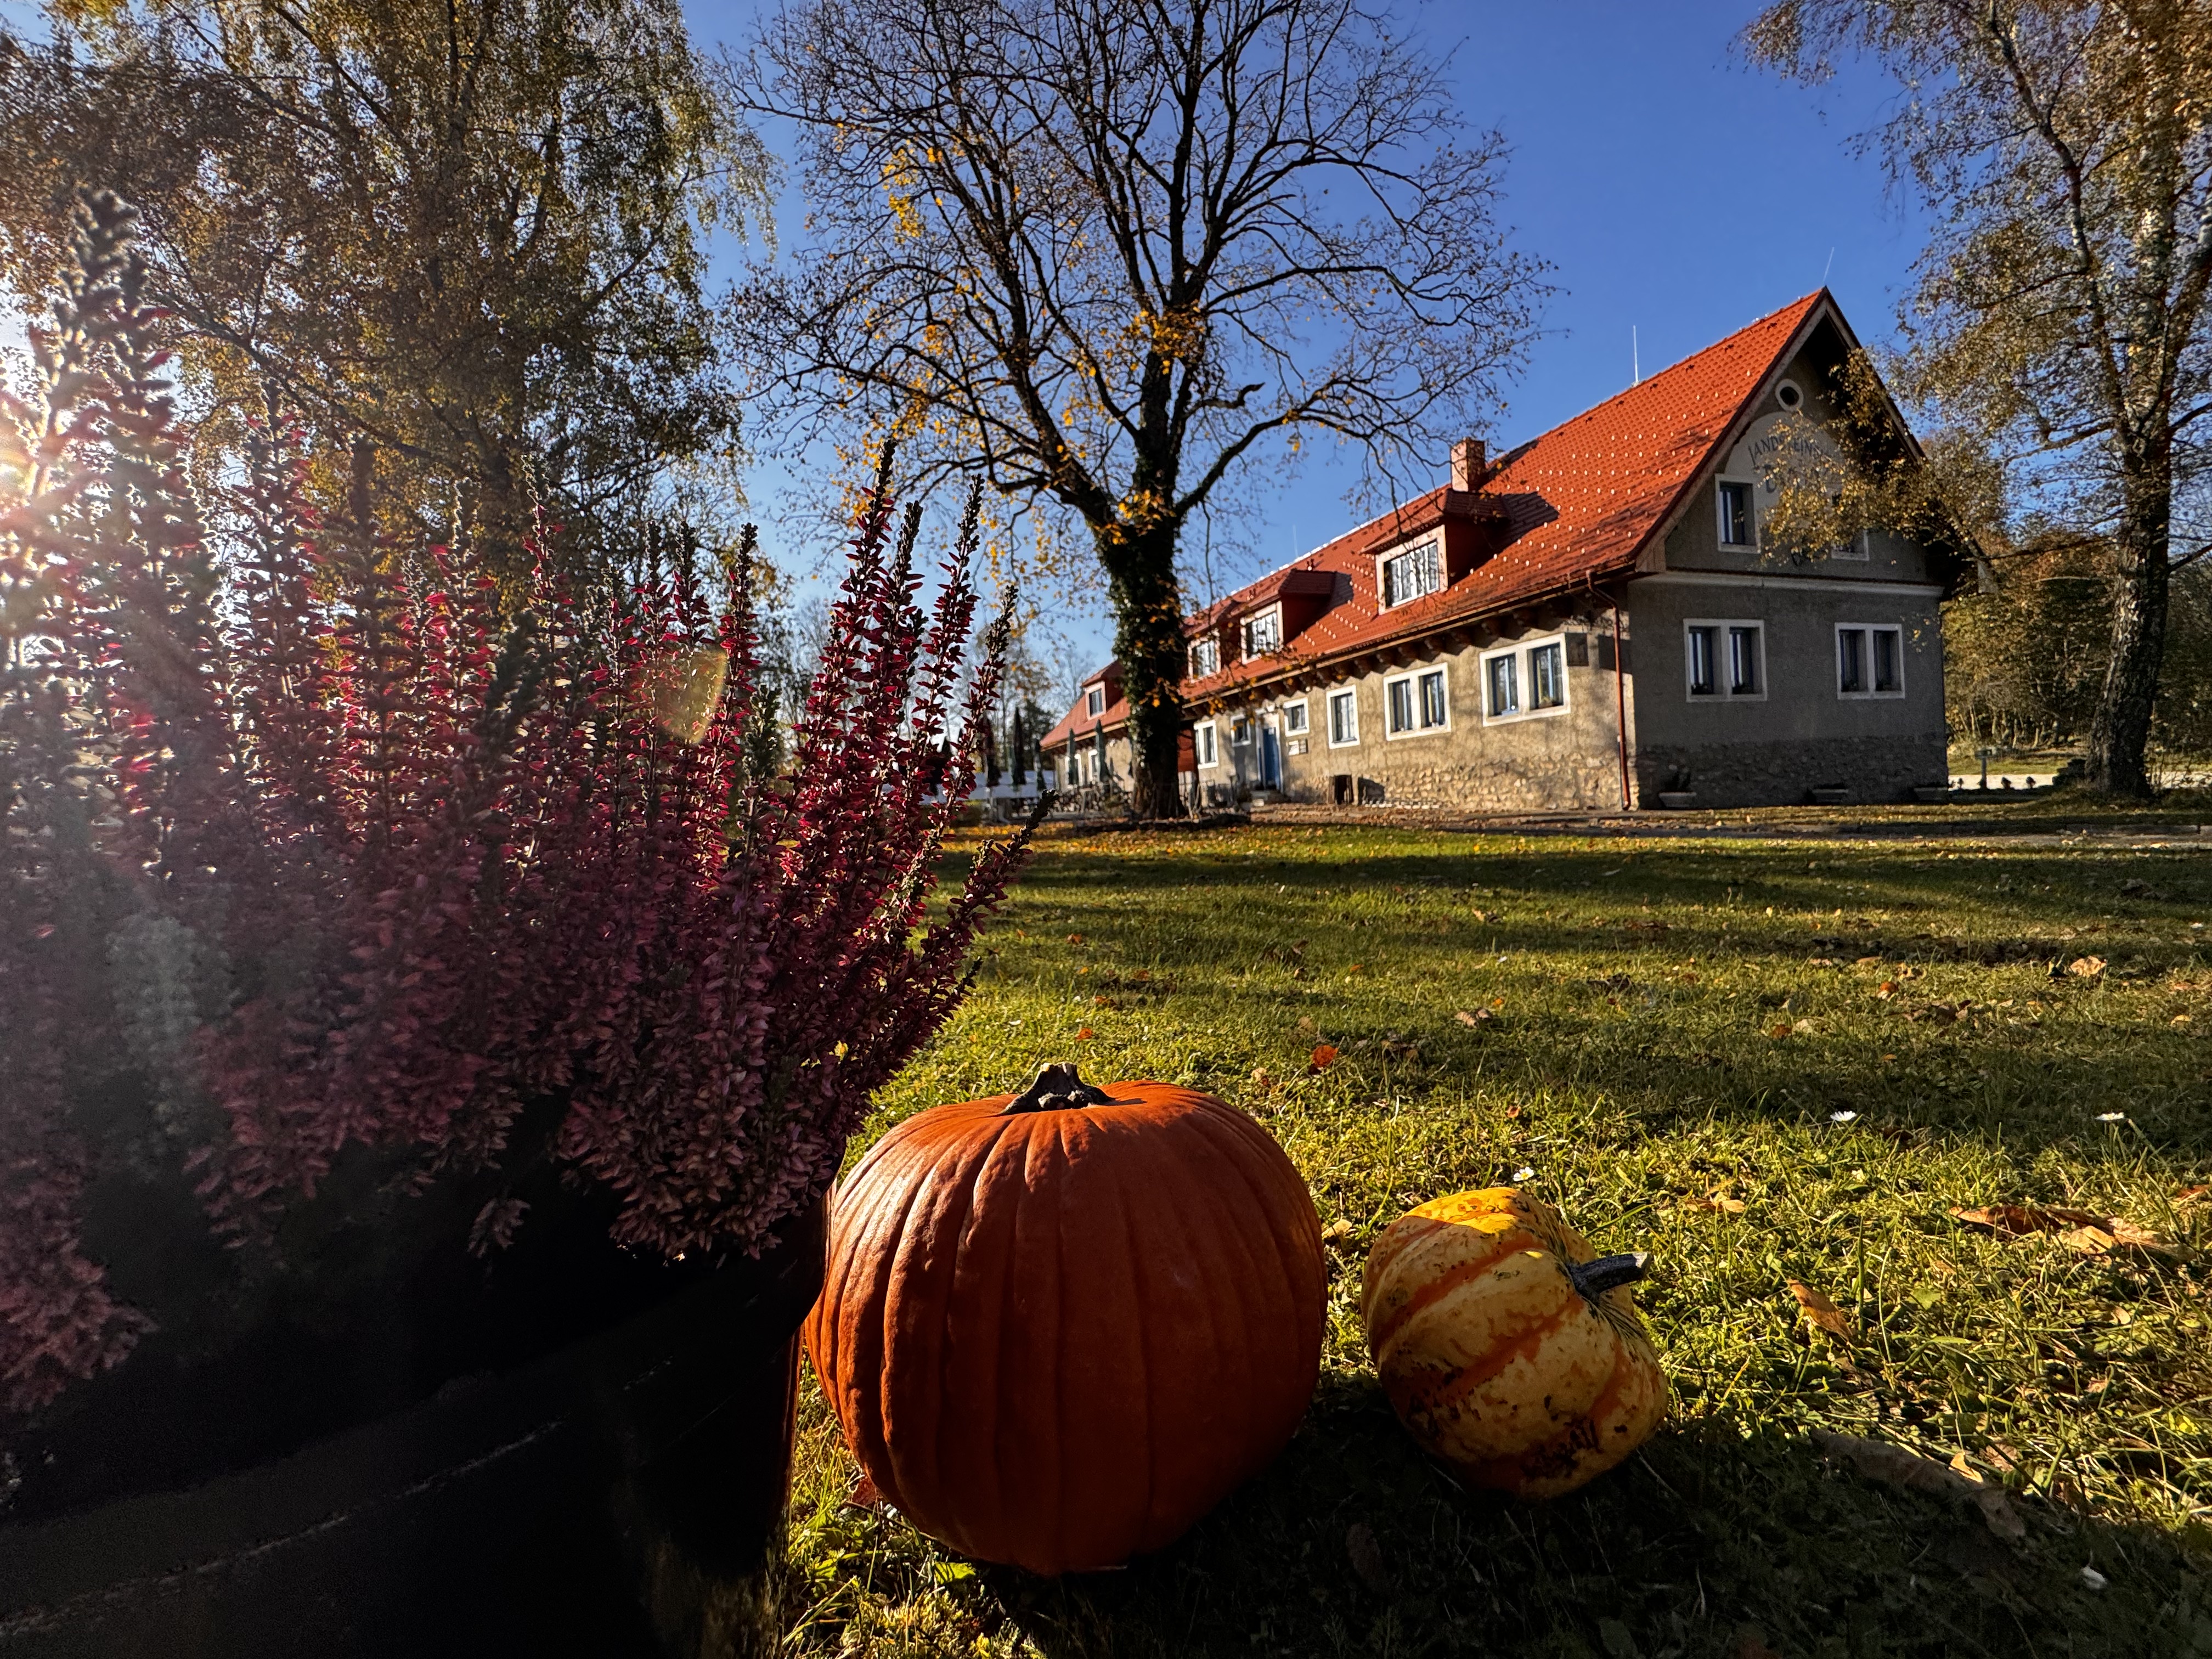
x=1294, y=719
x=1204, y=657
x=1240, y=730
x=1521, y=681
x=1263, y=632
x=1501, y=674
x=1409, y=575
x=1094, y=700
x=1733, y=500
x=1202, y=740
x=1547, y=676
x=1343, y=718
x=1414, y=703
x=1869, y=659
x=1723, y=659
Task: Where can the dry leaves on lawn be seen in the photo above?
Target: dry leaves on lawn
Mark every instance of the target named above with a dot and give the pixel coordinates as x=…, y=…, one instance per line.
x=2078, y=1230
x=1817, y=1307
x=1894, y=1466
x=2086, y=967
x=1719, y=1200
x=1360, y=1543
x=1336, y=1232
x=1323, y=1056
x=1479, y=1016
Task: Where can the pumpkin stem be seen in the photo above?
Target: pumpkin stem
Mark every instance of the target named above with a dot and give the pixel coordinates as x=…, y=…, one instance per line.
x=1595, y=1278
x=1057, y=1089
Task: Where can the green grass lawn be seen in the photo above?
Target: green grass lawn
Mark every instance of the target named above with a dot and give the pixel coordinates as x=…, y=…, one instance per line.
x=1670, y=1039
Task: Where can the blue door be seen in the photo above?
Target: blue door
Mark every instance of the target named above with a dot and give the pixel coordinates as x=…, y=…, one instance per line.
x=1270, y=756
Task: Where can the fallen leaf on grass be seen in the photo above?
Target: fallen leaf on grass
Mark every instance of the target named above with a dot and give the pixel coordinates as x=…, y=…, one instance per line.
x=1894, y=1466
x=1336, y=1232
x=2020, y=1220
x=2191, y=1194
x=1082, y=1034
x=1777, y=1032
x=1719, y=1200
x=1262, y=1078
x=2086, y=967
x=1323, y=1056
x=1478, y=1017
x=2077, y=1230
x=1075, y=938
x=1367, y=1558
x=2109, y=1235
x=1817, y=1307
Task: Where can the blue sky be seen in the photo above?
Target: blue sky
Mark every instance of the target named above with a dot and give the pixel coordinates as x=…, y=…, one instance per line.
x=1673, y=190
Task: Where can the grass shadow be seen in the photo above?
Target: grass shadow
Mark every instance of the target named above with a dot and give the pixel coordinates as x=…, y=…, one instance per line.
x=1710, y=1542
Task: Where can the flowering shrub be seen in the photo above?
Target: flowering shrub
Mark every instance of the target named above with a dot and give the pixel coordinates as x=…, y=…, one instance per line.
x=318, y=849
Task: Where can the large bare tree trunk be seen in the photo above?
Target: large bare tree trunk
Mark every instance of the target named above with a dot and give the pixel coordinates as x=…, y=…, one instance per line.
x=2119, y=733
x=1148, y=638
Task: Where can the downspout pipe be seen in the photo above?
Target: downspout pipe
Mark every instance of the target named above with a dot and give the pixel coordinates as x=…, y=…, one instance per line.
x=1621, y=703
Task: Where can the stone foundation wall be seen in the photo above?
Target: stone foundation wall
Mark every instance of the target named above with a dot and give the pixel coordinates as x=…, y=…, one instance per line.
x=1782, y=774
x=1538, y=782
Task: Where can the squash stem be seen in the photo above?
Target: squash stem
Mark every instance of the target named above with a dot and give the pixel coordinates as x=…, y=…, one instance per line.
x=1595, y=1278
x=1057, y=1089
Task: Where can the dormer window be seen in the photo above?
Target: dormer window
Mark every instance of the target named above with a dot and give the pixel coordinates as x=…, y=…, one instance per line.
x=1094, y=701
x=1410, y=575
x=1204, y=657
x=1263, y=632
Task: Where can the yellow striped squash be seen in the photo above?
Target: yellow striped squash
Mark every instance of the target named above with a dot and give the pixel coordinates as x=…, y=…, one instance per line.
x=1508, y=1349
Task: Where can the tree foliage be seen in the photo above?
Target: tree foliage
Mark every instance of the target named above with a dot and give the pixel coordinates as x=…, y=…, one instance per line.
x=1101, y=255
x=2024, y=657
x=2060, y=312
x=472, y=233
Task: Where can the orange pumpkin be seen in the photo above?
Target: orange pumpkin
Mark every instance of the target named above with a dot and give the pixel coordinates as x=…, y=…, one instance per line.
x=1508, y=1349
x=1059, y=1327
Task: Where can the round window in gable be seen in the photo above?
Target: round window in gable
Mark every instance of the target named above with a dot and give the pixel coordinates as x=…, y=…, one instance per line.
x=1788, y=395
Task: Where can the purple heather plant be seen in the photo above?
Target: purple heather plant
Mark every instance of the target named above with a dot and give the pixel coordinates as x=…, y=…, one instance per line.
x=316, y=846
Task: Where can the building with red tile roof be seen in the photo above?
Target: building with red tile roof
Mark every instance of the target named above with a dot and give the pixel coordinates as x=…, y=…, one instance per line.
x=1480, y=645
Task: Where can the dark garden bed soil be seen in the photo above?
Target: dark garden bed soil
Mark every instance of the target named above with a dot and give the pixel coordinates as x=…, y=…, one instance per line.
x=566, y=1448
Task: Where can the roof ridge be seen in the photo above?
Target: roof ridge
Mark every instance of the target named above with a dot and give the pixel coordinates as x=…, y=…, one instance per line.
x=1805, y=302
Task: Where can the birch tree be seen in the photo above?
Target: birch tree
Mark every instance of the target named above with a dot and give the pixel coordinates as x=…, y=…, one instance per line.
x=2059, y=316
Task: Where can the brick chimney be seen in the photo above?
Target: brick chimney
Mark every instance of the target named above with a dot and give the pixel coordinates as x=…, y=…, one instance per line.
x=1470, y=460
